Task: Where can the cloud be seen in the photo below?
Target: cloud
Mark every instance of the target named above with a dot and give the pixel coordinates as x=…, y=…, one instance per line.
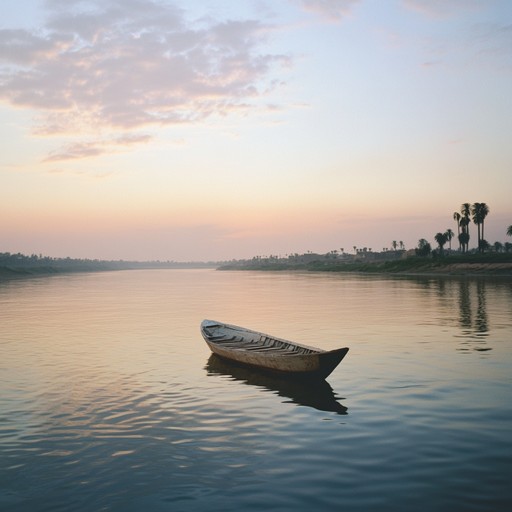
x=122, y=65
x=79, y=150
x=331, y=10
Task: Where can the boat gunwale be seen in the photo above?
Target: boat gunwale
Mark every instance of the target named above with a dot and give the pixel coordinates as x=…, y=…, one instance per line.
x=210, y=323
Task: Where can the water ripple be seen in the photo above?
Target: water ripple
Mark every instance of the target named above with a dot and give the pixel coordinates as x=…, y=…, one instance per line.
x=110, y=400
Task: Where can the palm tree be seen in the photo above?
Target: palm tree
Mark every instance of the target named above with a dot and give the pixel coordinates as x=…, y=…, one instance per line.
x=463, y=239
x=475, y=212
x=484, y=211
x=464, y=233
x=509, y=230
x=449, y=235
x=441, y=239
x=465, y=211
x=479, y=211
x=394, y=245
x=456, y=218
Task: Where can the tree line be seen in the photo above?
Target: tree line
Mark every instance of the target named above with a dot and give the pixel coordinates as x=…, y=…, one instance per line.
x=37, y=263
x=476, y=212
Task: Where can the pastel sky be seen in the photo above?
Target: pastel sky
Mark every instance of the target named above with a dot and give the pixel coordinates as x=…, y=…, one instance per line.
x=209, y=130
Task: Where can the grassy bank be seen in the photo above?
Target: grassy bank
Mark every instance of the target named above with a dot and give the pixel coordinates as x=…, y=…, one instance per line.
x=472, y=264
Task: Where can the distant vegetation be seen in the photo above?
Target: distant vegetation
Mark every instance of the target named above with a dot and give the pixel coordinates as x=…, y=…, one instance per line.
x=495, y=258
x=455, y=264
x=20, y=265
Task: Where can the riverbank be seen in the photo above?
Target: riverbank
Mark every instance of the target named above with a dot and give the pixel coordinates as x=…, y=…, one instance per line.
x=63, y=267
x=470, y=265
x=8, y=273
x=499, y=265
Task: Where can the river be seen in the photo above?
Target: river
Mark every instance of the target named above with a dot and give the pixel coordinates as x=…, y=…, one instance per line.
x=111, y=401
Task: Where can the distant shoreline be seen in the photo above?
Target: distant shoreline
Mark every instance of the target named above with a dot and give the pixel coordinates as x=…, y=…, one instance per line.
x=8, y=273
x=450, y=266
x=469, y=266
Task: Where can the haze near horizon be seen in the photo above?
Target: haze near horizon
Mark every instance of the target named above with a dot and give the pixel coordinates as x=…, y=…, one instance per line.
x=196, y=131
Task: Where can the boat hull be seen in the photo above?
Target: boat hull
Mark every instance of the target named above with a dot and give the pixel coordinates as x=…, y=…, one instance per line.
x=259, y=350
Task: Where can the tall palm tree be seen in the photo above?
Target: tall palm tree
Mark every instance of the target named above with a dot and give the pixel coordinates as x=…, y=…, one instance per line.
x=456, y=218
x=479, y=211
x=465, y=210
x=477, y=219
x=484, y=211
x=449, y=235
x=464, y=233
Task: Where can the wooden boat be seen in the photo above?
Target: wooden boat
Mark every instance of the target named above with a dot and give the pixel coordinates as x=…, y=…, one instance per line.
x=267, y=352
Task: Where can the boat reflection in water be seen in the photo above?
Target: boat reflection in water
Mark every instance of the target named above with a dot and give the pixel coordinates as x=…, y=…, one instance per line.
x=314, y=393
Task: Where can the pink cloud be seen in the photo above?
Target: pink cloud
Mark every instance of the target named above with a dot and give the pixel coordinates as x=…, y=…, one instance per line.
x=125, y=65
x=79, y=150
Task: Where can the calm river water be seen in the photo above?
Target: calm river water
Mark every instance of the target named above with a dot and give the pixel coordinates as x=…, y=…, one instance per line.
x=110, y=401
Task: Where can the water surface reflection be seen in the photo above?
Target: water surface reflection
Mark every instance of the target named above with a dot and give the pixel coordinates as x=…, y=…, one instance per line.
x=311, y=393
x=106, y=403
x=465, y=304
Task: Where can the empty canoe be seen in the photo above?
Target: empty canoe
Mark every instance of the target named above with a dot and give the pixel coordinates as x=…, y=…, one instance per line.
x=268, y=352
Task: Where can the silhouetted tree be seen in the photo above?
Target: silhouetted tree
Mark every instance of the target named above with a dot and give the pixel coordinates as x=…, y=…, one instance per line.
x=483, y=245
x=463, y=239
x=441, y=239
x=479, y=211
x=484, y=211
x=424, y=248
x=449, y=235
x=509, y=230
x=464, y=222
x=456, y=218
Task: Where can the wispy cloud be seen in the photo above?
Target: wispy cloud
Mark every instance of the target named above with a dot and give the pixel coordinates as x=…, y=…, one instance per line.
x=121, y=65
x=331, y=10
x=79, y=150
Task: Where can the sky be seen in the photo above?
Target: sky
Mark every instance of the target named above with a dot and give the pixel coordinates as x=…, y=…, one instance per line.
x=191, y=130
